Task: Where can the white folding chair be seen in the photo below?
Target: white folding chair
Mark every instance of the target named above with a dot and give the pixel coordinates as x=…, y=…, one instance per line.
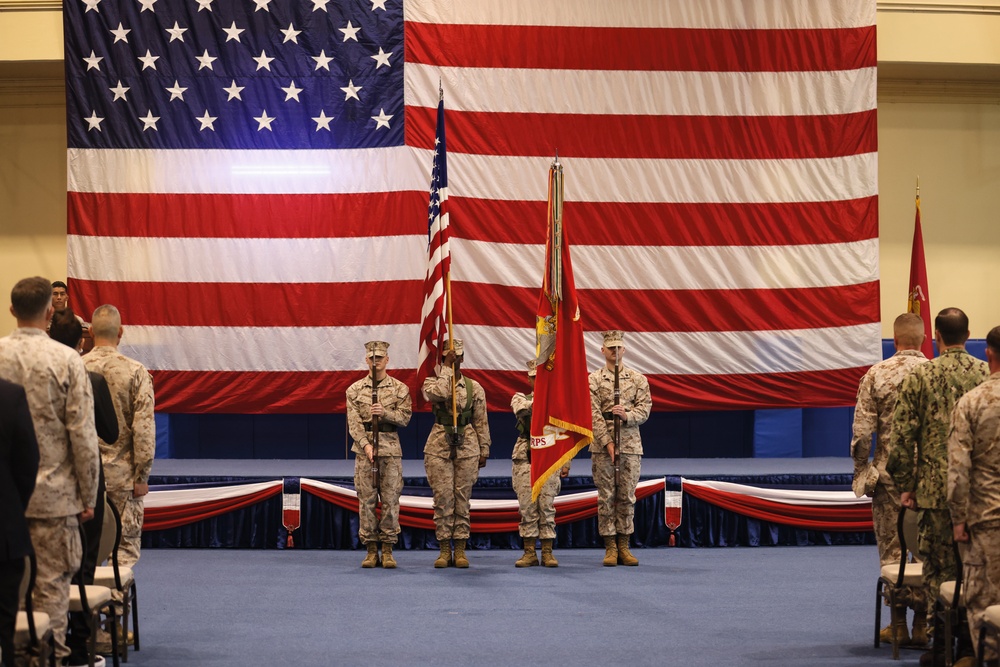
x=33, y=629
x=118, y=577
x=91, y=601
x=894, y=577
x=991, y=625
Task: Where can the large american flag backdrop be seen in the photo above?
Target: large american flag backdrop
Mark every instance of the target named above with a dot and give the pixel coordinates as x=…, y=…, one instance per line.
x=248, y=183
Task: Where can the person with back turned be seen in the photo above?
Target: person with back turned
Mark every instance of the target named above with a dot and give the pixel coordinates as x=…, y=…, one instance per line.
x=128, y=460
x=61, y=402
x=876, y=403
x=918, y=453
x=974, y=497
x=65, y=328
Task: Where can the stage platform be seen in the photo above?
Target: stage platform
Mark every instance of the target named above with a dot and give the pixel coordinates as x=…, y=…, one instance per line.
x=328, y=521
x=695, y=468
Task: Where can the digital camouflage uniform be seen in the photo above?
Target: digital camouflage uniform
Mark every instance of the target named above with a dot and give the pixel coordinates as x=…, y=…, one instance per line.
x=616, y=518
x=918, y=454
x=129, y=459
x=974, y=498
x=451, y=479
x=61, y=402
x=538, y=518
x=397, y=405
x=873, y=415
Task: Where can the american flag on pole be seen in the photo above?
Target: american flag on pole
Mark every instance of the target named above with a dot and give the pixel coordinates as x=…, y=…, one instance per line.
x=247, y=182
x=433, y=325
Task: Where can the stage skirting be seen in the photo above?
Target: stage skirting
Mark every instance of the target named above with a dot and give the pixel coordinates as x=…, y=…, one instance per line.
x=749, y=510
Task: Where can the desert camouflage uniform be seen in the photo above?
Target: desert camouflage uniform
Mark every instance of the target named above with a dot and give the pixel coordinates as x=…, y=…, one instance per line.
x=61, y=401
x=876, y=403
x=129, y=459
x=452, y=479
x=538, y=518
x=918, y=454
x=397, y=405
x=974, y=498
x=616, y=518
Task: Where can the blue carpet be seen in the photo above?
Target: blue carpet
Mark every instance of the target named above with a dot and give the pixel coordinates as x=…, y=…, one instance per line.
x=736, y=606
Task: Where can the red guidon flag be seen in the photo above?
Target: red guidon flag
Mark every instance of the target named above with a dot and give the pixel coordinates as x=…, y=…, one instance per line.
x=918, y=299
x=561, y=423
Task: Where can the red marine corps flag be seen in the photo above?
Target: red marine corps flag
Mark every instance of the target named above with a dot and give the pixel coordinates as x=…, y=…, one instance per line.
x=918, y=299
x=561, y=422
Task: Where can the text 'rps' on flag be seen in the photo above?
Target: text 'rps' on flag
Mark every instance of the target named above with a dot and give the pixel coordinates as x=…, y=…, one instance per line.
x=248, y=183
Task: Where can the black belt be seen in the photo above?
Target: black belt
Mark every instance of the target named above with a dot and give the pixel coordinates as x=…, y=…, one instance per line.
x=608, y=416
x=382, y=427
x=446, y=421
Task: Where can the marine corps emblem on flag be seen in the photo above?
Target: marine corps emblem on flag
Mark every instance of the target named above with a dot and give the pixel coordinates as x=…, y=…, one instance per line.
x=545, y=340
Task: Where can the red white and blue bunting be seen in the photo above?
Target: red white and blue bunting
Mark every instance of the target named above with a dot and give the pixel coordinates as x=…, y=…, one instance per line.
x=815, y=510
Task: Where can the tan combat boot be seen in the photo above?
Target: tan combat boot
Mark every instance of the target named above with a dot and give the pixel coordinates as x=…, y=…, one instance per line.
x=460, y=559
x=610, y=551
x=896, y=630
x=529, y=559
x=388, y=562
x=624, y=555
x=371, y=560
x=444, y=559
x=919, y=635
x=548, y=560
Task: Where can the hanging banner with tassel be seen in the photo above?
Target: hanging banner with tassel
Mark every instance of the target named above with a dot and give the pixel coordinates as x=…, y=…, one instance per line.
x=672, y=510
x=291, y=501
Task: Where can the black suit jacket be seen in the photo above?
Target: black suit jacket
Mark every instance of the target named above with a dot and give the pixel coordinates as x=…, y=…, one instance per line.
x=105, y=418
x=18, y=469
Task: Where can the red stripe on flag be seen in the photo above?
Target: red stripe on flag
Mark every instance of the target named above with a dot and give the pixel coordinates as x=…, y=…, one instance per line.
x=335, y=305
x=246, y=215
x=255, y=304
x=673, y=224
x=689, y=310
x=625, y=223
x=641, y=49
x=652, y=137
x=834, y=388
x=323, y=392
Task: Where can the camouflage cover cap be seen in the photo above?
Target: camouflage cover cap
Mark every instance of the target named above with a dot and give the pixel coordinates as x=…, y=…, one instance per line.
x=377, y=348
x=613, y=338
x=531, y=368
x=459, y=347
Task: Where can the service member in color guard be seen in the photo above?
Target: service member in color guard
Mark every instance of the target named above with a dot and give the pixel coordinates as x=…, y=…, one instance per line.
x=616, y=505
x=387, y=400
x=453, y=464
x=538, y=518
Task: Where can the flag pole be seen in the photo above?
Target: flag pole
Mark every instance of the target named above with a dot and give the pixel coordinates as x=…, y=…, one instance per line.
x=451, y=324
x=454, y=363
